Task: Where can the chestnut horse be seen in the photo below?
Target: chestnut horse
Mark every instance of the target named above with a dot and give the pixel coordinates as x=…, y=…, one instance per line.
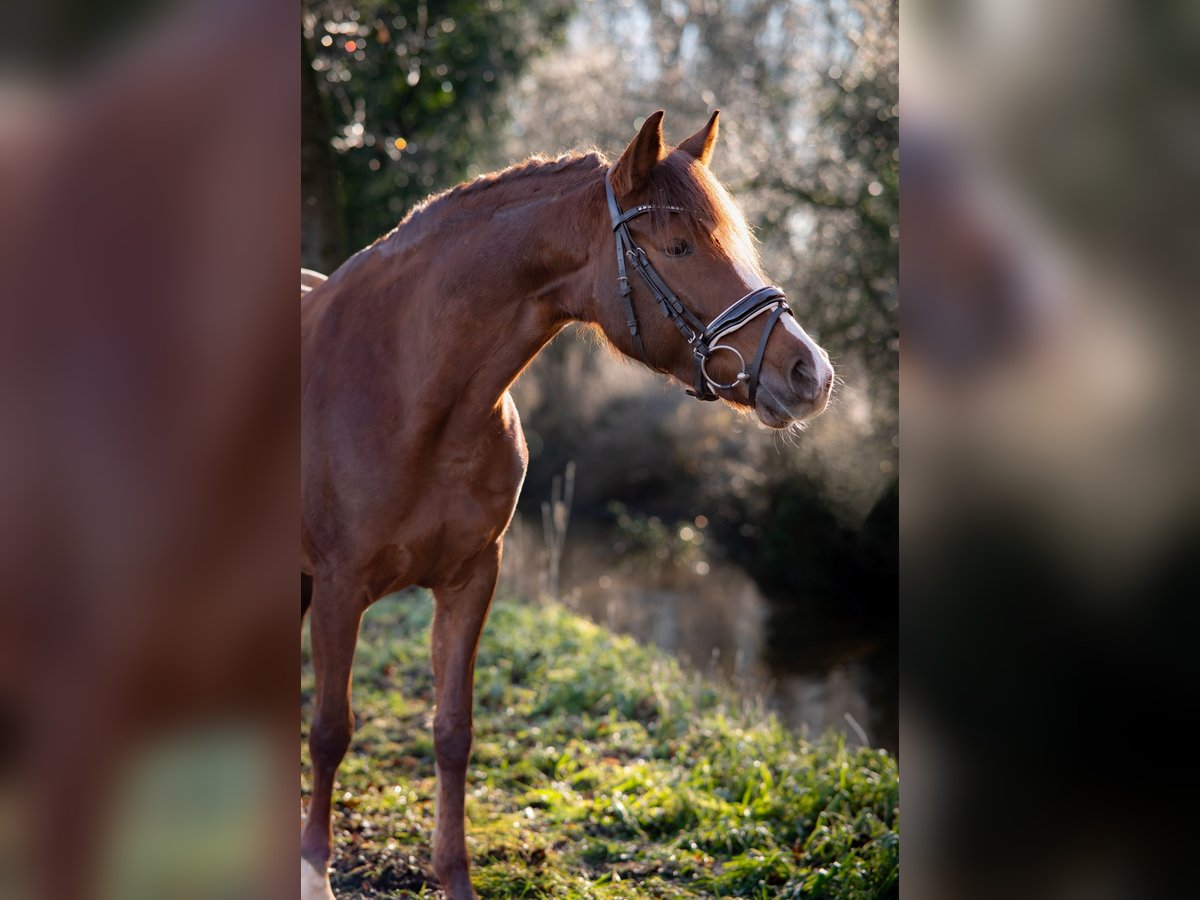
x=412, y=452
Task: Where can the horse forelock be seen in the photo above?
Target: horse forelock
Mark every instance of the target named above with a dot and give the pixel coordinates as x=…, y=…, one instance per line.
x=709, y=212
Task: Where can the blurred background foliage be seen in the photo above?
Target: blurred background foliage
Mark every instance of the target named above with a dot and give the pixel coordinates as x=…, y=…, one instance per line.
x=402, y=99
x=405, y=95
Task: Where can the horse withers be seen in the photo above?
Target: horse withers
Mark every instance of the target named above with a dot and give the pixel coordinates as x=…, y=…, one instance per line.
x=412, y=451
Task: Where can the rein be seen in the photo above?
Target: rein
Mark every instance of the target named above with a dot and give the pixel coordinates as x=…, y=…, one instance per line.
x=704, y=340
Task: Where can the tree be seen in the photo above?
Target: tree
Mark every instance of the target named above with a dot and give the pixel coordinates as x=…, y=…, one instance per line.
x=413, y=90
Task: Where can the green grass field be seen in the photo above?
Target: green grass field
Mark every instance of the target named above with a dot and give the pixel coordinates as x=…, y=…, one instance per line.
x=600, y=769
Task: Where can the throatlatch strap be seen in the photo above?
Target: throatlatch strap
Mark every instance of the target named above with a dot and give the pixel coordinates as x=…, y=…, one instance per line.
x=631, y=321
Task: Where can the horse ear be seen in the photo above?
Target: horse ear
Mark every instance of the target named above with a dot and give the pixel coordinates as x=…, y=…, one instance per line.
x=642, y=154
x=700, y=144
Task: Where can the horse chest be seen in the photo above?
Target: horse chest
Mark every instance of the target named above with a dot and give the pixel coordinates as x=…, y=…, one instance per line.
x=476, y=491
x=465, y=500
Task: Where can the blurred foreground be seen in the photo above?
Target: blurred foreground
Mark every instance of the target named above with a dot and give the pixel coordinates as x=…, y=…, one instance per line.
x=1050, y=516
x=148, y=460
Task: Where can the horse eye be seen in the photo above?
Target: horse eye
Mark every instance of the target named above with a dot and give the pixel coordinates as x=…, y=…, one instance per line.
x=678, y=248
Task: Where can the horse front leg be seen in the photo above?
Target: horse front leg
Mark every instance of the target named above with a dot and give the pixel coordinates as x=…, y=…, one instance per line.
x=336, y=613
x=460, y=612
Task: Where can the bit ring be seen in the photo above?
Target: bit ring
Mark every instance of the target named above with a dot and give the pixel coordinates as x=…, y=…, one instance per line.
x=742, y=375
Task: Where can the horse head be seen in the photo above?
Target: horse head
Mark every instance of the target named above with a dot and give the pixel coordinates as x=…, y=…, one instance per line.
x=684, y=247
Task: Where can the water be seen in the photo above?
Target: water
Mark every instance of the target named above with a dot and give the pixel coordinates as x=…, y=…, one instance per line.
x=716, y=620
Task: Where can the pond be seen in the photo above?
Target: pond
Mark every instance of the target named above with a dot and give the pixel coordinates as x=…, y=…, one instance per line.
x=817, y=674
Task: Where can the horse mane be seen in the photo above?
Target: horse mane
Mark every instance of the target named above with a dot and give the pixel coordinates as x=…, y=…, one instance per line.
x=676, y=181
x=430, y=210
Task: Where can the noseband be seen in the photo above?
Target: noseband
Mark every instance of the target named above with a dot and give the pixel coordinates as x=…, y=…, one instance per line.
x=704, y=341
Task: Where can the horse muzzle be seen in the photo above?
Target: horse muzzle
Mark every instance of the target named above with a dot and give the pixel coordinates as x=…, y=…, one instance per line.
x=800, y=389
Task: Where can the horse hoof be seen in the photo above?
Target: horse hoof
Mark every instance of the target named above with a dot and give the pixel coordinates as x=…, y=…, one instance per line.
x=314, y=885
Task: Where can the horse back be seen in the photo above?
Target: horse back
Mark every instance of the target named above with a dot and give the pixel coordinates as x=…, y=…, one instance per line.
x=310, y=280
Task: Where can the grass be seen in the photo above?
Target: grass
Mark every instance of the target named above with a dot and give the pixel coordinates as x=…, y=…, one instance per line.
x=600, y=770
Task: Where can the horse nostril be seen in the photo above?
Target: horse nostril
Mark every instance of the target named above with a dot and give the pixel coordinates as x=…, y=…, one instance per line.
x=804, y=380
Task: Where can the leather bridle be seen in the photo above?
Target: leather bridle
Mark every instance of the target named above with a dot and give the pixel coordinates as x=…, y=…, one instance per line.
x=704, y=341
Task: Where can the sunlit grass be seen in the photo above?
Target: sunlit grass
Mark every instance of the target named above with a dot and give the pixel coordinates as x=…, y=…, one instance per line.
x=600, y=769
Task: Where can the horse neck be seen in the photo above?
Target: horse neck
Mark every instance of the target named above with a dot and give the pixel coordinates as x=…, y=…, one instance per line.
x=497, y=280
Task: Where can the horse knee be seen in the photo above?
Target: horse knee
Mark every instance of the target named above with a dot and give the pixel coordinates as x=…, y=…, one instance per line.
x=330, y=738
x=452, y=742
